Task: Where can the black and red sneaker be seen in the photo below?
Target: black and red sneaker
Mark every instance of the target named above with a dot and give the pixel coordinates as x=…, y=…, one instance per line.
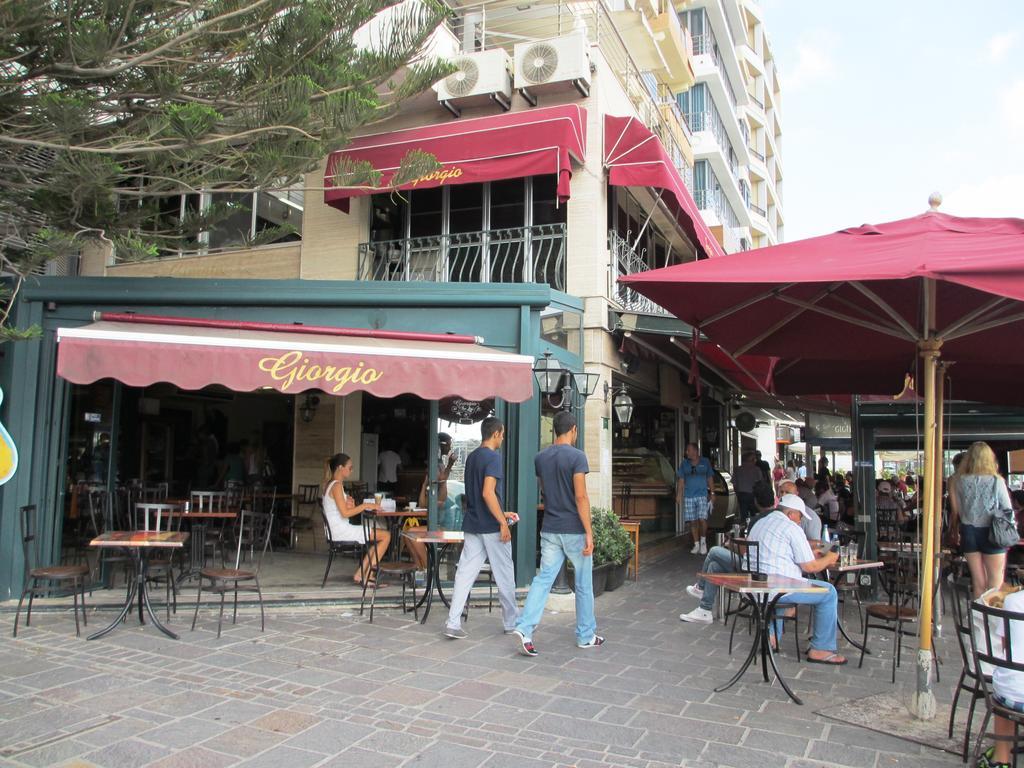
x=525, y=646
x=594, y=642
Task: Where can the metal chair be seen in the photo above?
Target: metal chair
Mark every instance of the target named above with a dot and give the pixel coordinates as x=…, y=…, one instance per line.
x=746, y=558
x=251, y=526
x=211, y=501
x=404, y=571
x=968, y=682
x=38, y=579
x=994, y=648
x=155, y=493
x=337, y=547
x=158, y=517
x=309, y=498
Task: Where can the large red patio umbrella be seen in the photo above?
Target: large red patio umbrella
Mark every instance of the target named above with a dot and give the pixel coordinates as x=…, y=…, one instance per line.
x=932, y=285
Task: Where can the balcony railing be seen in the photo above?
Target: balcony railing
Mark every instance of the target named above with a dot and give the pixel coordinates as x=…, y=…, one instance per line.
x=758, y=210
x=756, y=154
x=626, y=261
x=521, y=255
x=705, y=45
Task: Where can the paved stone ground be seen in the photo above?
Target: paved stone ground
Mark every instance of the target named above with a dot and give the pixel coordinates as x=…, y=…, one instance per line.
x=323, y=687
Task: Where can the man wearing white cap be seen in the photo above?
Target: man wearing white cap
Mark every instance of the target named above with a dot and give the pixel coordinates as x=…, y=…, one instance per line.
x=783, y=551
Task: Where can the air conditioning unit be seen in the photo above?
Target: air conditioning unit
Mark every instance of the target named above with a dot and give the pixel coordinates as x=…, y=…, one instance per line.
x=480, y=77
x=552, y=64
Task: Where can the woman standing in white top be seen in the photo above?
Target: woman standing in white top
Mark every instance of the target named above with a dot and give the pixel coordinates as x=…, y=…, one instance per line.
x=339, y=508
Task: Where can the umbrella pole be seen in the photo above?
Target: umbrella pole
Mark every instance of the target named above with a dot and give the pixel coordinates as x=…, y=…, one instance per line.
x=939, y=471
x=922, y=705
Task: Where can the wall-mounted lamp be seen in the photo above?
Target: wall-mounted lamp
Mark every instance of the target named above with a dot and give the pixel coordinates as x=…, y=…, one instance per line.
x=622, y=403
x=308, y=408
x=553, y=379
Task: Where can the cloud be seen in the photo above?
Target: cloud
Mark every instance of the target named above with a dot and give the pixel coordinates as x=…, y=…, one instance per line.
x=814, y=61
x=999, y=45
x=1011, y=107
x=995, y=195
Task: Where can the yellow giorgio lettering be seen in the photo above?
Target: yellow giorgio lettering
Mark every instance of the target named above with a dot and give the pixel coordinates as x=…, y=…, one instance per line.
x=292, y=367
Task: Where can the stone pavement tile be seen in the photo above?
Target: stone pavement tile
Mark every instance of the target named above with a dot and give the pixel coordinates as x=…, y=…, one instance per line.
x=56, y=676
x=54, y=753
x=186, y=703
x=842, y=754
x=402, y=694
x=741, y=757
x=474, y=689
x=508, y=716
x=328, y=737
x=195, y=757
x=285, y=721
x=692, y=727
x=448, y=755
x=500, y=760
x=715, y=713
x=362, y=758
x=782, y=743
x=183, y=733
x=587, y=731
x=629, y=684
x=674, y=745
x=233, y=712
x=658, y=704
x=933, y=759
x=394, y=743
x=243, y=741
x=127, y=754
x=594, y=693
x=524, y=681
x=283, y=757
x=861, y=737
x=616, y=715
x=810, y=729
x=428, y=681
x=517, y=697
x=563, y=705
x=122, y=728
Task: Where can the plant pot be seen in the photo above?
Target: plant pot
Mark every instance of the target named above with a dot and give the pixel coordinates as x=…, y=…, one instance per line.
x=599, y=577
x=616, y=576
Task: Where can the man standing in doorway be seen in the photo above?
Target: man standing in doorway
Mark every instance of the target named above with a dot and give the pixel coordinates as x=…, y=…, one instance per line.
x=693, y=490
x=562, y=470
x=486, y=528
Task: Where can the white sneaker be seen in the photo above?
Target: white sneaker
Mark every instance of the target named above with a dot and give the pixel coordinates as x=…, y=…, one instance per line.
x=703, y=547
x=696, y=548
x=697, y=616
x=694, y=591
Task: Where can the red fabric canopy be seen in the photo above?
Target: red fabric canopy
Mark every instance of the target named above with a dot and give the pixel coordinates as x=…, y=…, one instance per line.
x=506, y=146
x=844, y=311
x=244, y=360
x=635, y=157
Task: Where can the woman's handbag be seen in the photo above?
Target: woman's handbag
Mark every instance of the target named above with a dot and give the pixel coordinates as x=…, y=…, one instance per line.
x=1003, y=532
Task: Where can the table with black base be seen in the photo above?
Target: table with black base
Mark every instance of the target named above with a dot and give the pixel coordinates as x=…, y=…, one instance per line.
x=139, y=543
x=763, y=597
x=434, y=541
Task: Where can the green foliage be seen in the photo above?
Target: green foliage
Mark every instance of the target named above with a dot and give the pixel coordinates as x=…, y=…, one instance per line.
x=108, y=107
x=611, y=541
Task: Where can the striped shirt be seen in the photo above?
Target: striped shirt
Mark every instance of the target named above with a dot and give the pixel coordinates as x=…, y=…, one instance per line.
x=782, y=545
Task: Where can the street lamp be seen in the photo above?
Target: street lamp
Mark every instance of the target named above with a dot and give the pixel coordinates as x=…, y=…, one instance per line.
x=548, y=373
x=622, y=404
x=308, y=409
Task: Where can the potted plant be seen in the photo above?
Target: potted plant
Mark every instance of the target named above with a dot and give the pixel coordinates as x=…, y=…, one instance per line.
x=612, y=550
x=612, y=546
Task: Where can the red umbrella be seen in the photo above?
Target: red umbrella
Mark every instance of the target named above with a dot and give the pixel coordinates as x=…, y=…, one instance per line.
x=862, y=303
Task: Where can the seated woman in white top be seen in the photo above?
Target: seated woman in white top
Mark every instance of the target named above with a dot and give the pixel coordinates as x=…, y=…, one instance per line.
x=1007, y=684
x=339, y=508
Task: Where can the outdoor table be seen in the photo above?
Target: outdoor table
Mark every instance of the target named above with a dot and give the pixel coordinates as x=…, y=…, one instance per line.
x=763, y=597
x=395, y=520
x=835, y=574
x=433, y=540
x=139, y=543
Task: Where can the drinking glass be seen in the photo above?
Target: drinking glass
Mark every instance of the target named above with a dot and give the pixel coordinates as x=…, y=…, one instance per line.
x=378, y=498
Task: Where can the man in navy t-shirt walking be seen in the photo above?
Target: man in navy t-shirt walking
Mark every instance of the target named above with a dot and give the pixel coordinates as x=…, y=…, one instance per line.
x=485, y=526
x=562, y=470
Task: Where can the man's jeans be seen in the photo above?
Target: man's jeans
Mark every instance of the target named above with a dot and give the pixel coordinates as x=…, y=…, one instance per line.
x=823, y=636
x=554, y=549
x=719, y=560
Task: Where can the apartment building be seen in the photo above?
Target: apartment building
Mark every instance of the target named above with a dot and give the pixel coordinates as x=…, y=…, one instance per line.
x=578, y=142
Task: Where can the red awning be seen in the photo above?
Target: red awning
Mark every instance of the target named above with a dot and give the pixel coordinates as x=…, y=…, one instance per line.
x=507, y=146
x=140, y=354
x=635, y=157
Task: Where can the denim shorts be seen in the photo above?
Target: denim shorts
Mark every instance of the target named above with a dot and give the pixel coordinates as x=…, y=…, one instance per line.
x=1016, y=706
x=974, y=538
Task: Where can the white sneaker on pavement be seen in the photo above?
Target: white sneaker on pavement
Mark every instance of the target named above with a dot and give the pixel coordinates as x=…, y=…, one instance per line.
x=697, y=616
x=696, y=548
x=703, y=547
x=694, y=591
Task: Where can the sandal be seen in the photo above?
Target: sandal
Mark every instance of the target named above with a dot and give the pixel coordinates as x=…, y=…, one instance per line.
x=832, y=660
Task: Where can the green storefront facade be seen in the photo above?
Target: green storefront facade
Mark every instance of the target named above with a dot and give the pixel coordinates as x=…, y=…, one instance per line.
x=35, y=407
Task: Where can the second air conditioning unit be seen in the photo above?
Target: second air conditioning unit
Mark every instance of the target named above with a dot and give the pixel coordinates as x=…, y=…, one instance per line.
x=479, y=77
x=552, y=64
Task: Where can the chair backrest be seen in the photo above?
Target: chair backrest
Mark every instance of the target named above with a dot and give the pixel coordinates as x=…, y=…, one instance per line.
x=233, y=490
x=369, y=520
x=97, y=498
x=327, y=525
x=309, y=494
x=253, y=529
x=208, y=501
x=746, y=556
x=29, y=541
x=155, y=493
x=154, y=517
x=993, y=644
x=962, y=623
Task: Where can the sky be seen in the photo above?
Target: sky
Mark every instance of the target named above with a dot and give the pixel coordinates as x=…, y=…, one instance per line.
x=886, y=101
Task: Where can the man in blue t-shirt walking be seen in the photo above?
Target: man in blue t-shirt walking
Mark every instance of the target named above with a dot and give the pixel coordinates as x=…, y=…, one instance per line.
x=693, y=490
x=562, y=470
x=486, y=528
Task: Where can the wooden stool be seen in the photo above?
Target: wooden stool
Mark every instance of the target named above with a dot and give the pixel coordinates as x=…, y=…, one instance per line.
x=633, y=528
